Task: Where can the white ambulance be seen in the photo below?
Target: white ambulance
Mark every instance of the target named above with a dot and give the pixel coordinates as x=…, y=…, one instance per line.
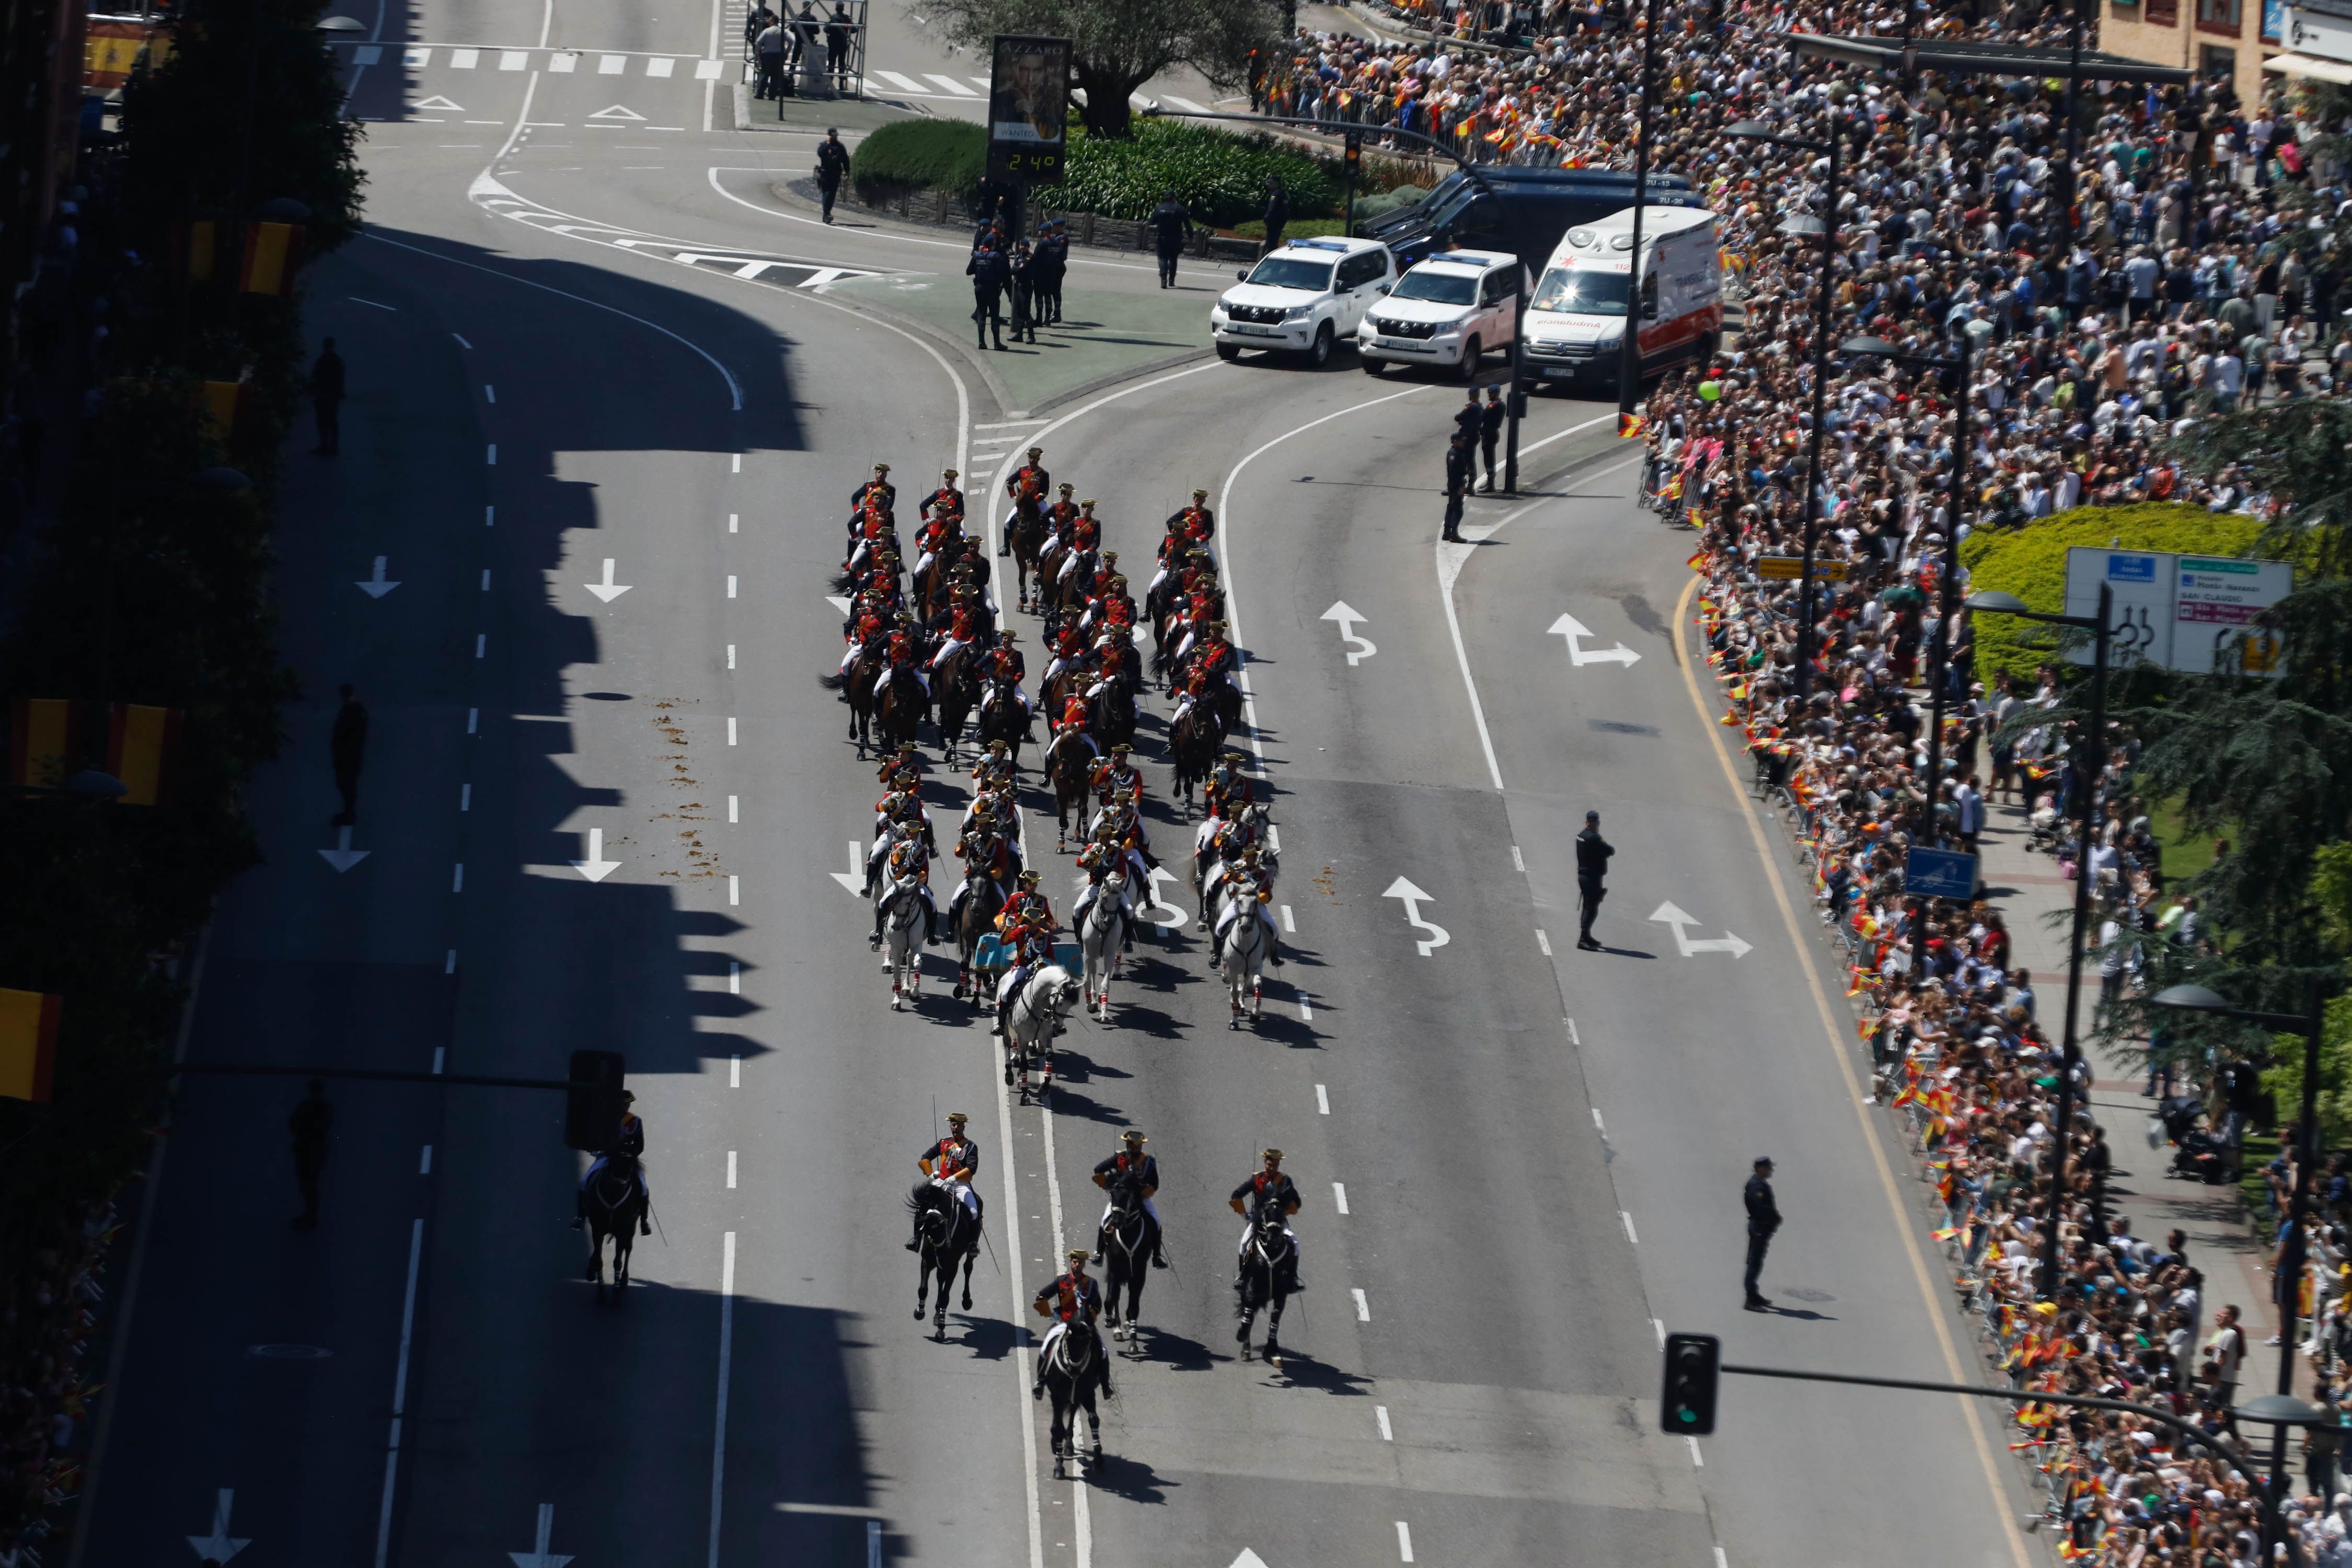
x=1575, y=327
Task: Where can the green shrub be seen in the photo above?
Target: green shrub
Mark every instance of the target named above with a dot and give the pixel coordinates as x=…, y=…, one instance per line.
x=1297, y=228
x=1219, y=176
x=927, y=154
x=2031, y=563
x=1387, y=202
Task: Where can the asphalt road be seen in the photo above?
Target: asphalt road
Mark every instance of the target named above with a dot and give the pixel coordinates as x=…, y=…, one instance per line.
x=1519, y=1161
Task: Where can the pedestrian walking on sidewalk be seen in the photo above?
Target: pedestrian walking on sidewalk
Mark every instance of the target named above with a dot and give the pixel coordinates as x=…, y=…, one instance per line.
x=831, y=163
x=1592, y=853
x=347, y=748
x=1763, y=1219
x=1461, y=468
x=327, y=398
x=308, y=1128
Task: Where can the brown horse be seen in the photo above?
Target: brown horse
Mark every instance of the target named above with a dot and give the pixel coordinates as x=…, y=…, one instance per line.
x=1193, y=743
x=1070, y=762
x=1024, y=536
x=899, y=706
x=955, y=690
x=859, y=680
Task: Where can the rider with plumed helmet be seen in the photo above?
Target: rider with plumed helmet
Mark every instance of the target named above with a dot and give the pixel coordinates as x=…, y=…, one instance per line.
x=1071, y=1297
x=1270, y=1185
x=1131, y=1164
x=949, y=1164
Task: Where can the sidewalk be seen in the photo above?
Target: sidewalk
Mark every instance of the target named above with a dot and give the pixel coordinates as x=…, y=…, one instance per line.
x=2222, y=1241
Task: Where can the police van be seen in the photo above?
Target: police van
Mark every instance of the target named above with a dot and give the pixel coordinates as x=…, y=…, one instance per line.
x=1575, y=325
x=1303, y=299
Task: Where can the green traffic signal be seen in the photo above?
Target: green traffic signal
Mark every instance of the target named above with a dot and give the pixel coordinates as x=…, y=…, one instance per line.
x=1693, y=1365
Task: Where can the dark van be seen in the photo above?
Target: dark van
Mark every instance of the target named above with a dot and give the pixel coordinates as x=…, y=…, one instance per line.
x=1526, y=213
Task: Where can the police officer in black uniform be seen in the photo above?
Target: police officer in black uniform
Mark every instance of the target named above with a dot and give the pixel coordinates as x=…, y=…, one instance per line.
x=1490, y=431
x=1053, y=264
x=990, y=274
x=1132, y=1164
x=1169, y=224
x=1592, y=853
x=833, y=162
x=1461, y=468
x=1763, y=1219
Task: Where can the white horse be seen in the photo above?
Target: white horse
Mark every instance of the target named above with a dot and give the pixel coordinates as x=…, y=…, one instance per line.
x=1100, y=936
x=1241, y=951
x=902, y=944
x=1030, y=1025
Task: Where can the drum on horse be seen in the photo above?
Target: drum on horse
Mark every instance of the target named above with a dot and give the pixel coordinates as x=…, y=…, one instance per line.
x=1101, y=934
x=859, y=681
x=1074, y=1369
x=1267, y=1278
x=951, y=1240
x=1069, y=763
x=1124, y=1244
x=956, y=690
x=902, y=940
x=615, y=1205
x=1030, y=1027
x=1193, y=743
x=980, y=907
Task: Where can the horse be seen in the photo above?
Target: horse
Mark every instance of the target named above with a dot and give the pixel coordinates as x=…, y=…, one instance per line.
x=951, y=1238
x=1111, y=714
x=1048, y=569
x=614, y=1205
x=1030, y=1026
x=859, y=680
x=1073, y=581
x=1002, y=718
x=899, y=709
x=1025, y=531
x=1268, y=1277
x=1072, y=1369
x=1100, y=936
x=902, y=941
x=980, y=907
x=956, y=689
x=1194, y=743
x=1240, y=953
x=1126, y=1245
x=1069, y=764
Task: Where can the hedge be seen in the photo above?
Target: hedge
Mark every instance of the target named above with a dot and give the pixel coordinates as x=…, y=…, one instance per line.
x=2031, y=563
x=926, y=154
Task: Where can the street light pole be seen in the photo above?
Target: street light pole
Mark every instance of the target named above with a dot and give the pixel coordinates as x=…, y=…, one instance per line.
x=1629, y=370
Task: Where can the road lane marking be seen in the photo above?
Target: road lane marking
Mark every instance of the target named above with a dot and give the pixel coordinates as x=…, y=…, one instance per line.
x=730, y=1170
x=1835, y=1033
x=735, y=981
x=734, y=1072
x=1660, y=1324
x=481, y=646
x=904, y=83
x=1288, y=925
x=458, y=881
x=400, y=1381
x=1381, y=1413
x=486, y=579
x=730, y=587
x=1629, y=1235
x=1340, y=1196
x=730, y=664
x=464, y=797
x=1543, y=941
x=473, y=720
x=730, y=808
x=441, y=1053
x=424, y=1162
x=1516, y=863
x=1020, y=1308
x=734, y=522
x=493, y=461
x=730, y=729
x=1322, y=1101
x=954, y=87
x=463, y=343
x=448, y=966
x=734, y=891
x=726, y=1364
x=1598, y=1125
x=1695, y=1459
x=1305, y=1009
x=739, y=464
x=1404, y=1541
x=1363, y=1308
x=1573, y=1038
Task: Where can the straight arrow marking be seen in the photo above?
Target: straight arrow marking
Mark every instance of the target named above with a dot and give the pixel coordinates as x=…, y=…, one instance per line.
x=1412, y=897
x=596, y=868
x=854, y=880
x=343, y=857
x=1569, y=627
x=607, y=590
x=539, y=1556
x=1347, y=619
x=1669, y=915
x=376, y=587
x=218, y=1546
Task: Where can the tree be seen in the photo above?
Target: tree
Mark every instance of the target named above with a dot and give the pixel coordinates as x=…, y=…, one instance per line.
x=1117, y=46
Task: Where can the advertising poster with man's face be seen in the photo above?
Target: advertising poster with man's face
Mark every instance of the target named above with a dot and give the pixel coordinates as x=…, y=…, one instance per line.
x=1027, y=109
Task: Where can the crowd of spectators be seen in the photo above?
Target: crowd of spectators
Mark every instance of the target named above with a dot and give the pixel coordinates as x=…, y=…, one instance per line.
x=2193, y=270
x=48, y=1314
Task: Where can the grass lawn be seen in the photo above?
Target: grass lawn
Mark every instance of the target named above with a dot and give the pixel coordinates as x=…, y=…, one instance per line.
x=2184, y=854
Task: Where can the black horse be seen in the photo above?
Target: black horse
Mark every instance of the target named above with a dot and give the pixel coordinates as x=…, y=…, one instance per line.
x=956, y=689
x=950, y=1238
x=1002, y=718
x=1073, y=1368
x=1267, y=1278
x=1127, y=1242
x=614, y=1205
x=1193, y=743
x=1110, y=715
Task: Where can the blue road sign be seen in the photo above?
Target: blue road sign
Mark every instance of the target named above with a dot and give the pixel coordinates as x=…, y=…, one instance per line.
x=1939, y=874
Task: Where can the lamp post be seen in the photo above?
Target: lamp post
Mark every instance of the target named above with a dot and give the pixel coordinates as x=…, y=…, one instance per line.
x=2308, y=1023
x=1816, y=498
x=1947, y=593
x=2102, y=628
x=1629, y=369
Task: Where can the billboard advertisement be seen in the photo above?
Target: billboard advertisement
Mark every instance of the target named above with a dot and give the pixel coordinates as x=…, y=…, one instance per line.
x=1028, y=109
x=2199, y=615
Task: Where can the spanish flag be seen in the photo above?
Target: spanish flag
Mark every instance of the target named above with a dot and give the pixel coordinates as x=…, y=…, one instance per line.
x=142, y=744
x=1630, y=425
x=40, y=738
x=219, y=402
x=28, y=1043
x=1698, y=563
x=272, y=251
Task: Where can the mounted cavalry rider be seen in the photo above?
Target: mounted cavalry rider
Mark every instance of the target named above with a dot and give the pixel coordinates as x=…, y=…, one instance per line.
x=1071, y=1299
x=1085, y=536
x=1270, y=1185
x=948, y=1165
x=1116, y=665
x=1030, y=482
x=904, y=651
x=1004, y=664
x=1131, y=1166
x=870, y=533
x=988, y=856
x=993, y=772
x=963, y=627
x=1069, y=647
x=864, y=632
x=628, y=1144
x=908, y=762
x=1189, y=529
x=947, y=500
x=908, y=856
x=876, y=489
x=1060, y=515
x=1028, y=904
x=1112, y=607
x=1252, y=886
x=1108, y=849
x=1073, y=717
x=1199, y=524
x=1213, y=656
x=1116, y=778
x=903, y=807
x=1228, y=789
x=1029, y=935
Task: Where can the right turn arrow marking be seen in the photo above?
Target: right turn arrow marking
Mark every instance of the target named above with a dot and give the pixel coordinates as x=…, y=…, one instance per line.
x=1667, y=914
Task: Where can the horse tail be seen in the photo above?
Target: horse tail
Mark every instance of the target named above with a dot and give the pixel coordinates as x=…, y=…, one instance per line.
x=833, y=680
x=843, y=581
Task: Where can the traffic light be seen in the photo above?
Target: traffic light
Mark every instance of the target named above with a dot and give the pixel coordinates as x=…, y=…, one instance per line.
x=592, y=1106
x=1355, y=152
x=1693, y=1364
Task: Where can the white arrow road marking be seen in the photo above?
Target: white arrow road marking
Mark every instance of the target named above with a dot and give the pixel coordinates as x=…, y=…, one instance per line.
x=1669, y=915
x=618, y=111
x=854, y=877
x=343, y=857
x=607, y=590
x=539, y=1556
x=838, y=602
x=1348, y=618
x=440, y=104
x=1248, y=1558
x=218, y=1546
x=1572, y=628
x=1175, y=916
x=376, y=587
x=1413, y=897
x=596, y=868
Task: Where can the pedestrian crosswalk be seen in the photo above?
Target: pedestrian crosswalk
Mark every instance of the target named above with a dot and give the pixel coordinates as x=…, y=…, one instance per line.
x=420, y=56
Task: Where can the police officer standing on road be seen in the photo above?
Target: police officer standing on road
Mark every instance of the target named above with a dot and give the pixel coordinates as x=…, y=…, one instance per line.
x=1763, y=1219
x=1490, y=430
x=1461, y=468
x=1169, y=224
x=833, y=162
x=990, y=273
x=1592, y=853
